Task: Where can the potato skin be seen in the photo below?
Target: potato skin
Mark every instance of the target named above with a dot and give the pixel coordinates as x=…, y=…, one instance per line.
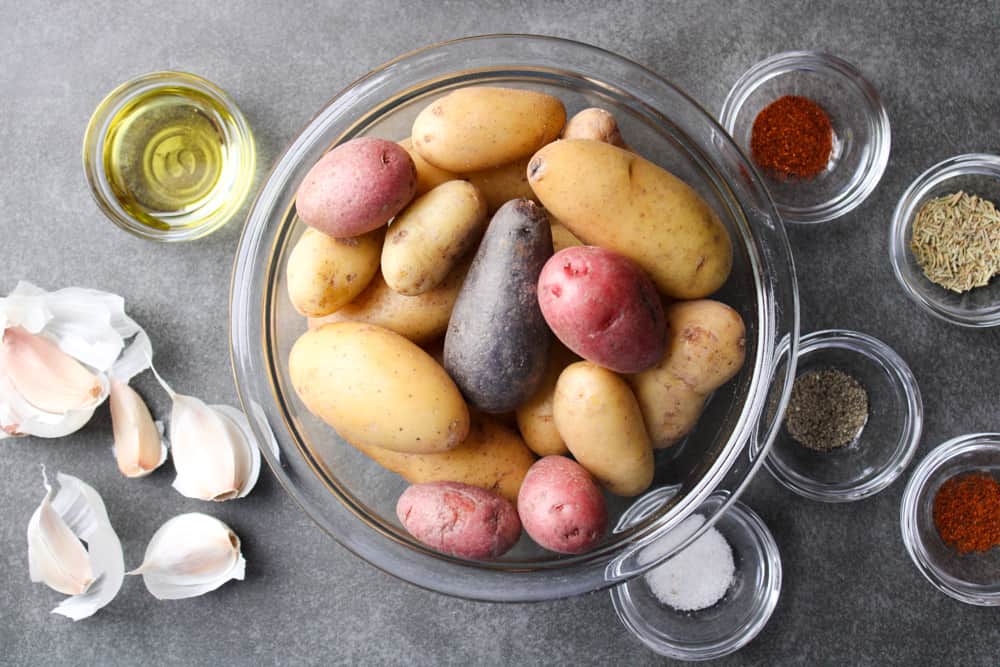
x=534, y=416
x=562, y=238
x=561, y=507
x=481, y=127
x=612, y=198
x=491, y=457
x=497, y=342
x=706, y=343
x=670, y=408
x=428, y=176
x=459, y=519
x=705, y=349
x=356, y=187
x=599, y=419
x=501, y=184
x=594, y=123
x=422, y=318
x=375, y=387
x=603, y=308
x=324, y=273
x=429, y=237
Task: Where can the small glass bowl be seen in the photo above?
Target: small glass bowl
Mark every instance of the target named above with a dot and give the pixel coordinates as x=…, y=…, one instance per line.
x=219, y=203
x=972, y=578
x=975, y=173
x=732, y=622
x=886, y=443
x=860, y=125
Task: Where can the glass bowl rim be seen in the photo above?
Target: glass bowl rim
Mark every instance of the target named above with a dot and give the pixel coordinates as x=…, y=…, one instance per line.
x=767, y=595
x=876, y=115
x=936, y=459
x=981, y=164
x=906, y=446
x=96, y=134
x=777, y=308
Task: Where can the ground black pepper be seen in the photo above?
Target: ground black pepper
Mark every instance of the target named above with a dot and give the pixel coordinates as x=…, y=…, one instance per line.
x=827, y=409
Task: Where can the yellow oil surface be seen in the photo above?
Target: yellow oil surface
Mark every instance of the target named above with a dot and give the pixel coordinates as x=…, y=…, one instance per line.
x=166, y=153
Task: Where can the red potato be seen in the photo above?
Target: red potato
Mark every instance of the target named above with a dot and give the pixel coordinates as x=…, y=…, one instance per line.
x=459, y=519
x=603, y=308
x=357, y=187
x=561, y=506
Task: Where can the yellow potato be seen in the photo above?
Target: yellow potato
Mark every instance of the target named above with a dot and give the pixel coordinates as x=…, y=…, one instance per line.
x=324, y=273
x=562, y=237
x=471, y=129
x=377, y=388
x=670, y=408
x=422, y=318
x=501, y=184
x=596, y=124
x=706, y=343
x=428, y=238
x=599, y=419
x=615, y=199
x=534, y=416
x=428, y=176
x=492, y=457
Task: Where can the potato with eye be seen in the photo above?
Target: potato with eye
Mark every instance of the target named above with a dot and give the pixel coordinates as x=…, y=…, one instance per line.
x=429, y=237
x=375, y=387
x=612, y=198
x=705, y=349
x=482, y=127
x=422, y=319
x=324, y=273
x=600, y=421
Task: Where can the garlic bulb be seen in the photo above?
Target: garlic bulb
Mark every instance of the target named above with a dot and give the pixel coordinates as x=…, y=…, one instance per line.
x=190, y=555
x=56, y=350
x=215, y=453
x=56, y=555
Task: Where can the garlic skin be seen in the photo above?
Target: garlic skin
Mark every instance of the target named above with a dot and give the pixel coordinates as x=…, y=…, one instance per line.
x=139, y=447
x=190, y=555
x=57, y=348
x=214, y=451
x=56, y=556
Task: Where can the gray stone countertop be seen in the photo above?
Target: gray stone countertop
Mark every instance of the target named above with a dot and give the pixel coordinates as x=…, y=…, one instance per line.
x=850, y=593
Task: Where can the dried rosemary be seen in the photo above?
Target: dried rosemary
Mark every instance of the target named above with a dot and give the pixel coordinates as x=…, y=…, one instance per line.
x=827, y=409
x=956, y=241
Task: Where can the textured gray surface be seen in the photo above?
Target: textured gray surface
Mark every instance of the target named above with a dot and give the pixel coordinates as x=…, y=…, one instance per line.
x=851, y=595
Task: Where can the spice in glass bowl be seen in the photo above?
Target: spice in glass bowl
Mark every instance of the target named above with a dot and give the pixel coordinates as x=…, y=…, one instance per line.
x=697, y=577
x=827, y=410
x=967, y=512
x=956, y=241
x=792, y=138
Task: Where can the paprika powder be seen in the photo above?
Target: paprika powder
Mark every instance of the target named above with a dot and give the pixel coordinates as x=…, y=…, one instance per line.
x=792, y=138
x=967, y=512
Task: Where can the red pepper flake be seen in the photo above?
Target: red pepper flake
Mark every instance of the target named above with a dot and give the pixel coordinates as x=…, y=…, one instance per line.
x=967, y=512
x=792, y=138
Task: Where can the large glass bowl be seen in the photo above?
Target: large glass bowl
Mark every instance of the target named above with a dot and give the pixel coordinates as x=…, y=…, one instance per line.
x=351, y=497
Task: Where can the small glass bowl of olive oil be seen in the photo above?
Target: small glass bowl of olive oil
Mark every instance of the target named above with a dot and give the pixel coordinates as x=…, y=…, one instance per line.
x=169, y=156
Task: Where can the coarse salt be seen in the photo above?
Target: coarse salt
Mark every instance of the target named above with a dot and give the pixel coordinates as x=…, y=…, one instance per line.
x=697, y=577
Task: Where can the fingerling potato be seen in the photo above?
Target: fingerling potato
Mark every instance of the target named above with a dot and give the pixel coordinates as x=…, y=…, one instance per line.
x=324, y=273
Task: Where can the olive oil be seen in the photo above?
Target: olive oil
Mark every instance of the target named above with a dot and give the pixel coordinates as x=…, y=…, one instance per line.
x=174, y=158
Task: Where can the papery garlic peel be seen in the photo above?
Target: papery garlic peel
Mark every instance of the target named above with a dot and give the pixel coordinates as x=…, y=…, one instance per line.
x=47, y=377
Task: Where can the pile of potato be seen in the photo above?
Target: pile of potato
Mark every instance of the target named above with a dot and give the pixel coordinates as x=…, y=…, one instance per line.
x=503, y=286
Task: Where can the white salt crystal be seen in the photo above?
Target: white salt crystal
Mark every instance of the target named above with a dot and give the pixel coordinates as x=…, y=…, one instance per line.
x=697, y=577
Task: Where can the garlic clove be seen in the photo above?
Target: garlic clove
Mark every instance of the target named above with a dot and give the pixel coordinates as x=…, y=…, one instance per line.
x=48, y=378
x=82, y=512
x=214, y=450
x=139, y=448
x=190, y=555
x=56, y=557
